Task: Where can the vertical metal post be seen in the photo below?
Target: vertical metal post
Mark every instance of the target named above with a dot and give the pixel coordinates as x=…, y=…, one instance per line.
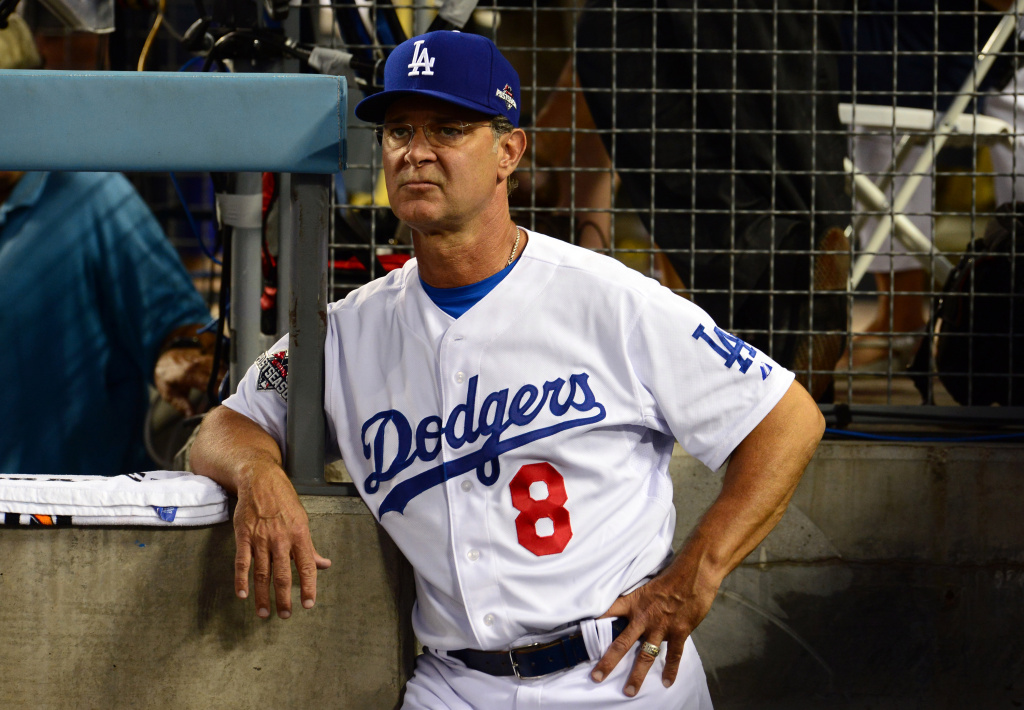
x=246, y=285
x=285, y=242
x=307, y=306
x=285, y=257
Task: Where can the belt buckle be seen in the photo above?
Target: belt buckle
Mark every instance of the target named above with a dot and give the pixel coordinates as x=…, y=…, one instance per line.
x=512, y=657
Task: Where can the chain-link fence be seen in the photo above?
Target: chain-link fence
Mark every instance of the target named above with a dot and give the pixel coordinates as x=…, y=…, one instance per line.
x=818, y=175
x=754, y=157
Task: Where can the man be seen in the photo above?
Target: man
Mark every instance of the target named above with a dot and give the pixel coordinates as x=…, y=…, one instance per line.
x=96, y=306
x=507, y=405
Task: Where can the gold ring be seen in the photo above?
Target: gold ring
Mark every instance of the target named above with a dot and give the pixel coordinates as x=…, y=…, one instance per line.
x=650, y=649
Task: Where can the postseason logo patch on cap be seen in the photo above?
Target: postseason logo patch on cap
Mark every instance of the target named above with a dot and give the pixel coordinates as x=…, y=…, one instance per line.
x=506, y=96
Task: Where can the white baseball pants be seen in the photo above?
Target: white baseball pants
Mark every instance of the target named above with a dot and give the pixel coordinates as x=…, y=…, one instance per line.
x=441, y=683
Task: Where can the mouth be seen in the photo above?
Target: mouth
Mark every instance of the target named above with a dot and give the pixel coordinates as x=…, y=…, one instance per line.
x=418, y=184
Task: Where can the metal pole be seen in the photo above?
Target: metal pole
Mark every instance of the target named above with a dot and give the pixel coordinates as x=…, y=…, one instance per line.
x=246, y=280
x=285, y=242
x=285, y=258
x=304, y=459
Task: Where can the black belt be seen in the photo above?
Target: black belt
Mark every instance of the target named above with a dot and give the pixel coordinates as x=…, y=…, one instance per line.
x=536, y=659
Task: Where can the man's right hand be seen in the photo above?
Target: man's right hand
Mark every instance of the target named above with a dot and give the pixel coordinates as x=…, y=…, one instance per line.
x=272, y=529
x=271, y=526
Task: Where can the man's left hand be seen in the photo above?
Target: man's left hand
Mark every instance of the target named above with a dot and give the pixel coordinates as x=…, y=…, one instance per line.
x=763, y=472
x=665, y=610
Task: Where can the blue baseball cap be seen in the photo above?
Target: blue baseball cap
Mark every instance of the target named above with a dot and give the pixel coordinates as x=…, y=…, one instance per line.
x=461, y=68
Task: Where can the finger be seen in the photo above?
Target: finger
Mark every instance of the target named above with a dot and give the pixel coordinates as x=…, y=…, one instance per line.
x=321, y=562
x=642, y=665
x=283, y=582
x=306, y=567
x=673, y=657
x=620, y=645
x=243, y=559
x=621, y=607
x=261, y=581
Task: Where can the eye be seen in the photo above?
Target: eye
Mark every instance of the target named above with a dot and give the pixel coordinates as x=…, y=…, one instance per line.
x=449, y=130
x=397, y=131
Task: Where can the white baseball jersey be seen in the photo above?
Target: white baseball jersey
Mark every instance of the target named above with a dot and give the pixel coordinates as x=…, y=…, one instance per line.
x=518, y=455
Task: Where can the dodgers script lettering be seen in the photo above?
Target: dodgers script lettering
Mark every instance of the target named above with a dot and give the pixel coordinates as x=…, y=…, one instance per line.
x=497, y=413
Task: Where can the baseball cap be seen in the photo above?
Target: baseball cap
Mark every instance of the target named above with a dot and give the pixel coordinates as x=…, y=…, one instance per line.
x=461, y=68
x=17, y=46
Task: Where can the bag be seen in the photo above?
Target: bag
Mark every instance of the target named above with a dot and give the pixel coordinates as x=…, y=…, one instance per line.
x=979, y=318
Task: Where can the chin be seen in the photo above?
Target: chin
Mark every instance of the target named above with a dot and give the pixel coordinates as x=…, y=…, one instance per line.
x=416, y=213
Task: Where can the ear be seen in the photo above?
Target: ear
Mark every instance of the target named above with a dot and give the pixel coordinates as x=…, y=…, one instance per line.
x=511, y=150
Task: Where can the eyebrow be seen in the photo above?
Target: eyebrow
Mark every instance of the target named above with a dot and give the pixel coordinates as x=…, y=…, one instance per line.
x=403, y=118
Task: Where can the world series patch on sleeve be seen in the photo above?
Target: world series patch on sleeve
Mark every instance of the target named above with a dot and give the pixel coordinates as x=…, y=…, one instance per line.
x=154, y=498
x=273, y=372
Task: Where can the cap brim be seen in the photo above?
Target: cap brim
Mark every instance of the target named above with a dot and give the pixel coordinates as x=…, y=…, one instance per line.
x=373, y=108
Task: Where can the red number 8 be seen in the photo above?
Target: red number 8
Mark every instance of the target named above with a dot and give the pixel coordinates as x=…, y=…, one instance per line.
x=531, y=510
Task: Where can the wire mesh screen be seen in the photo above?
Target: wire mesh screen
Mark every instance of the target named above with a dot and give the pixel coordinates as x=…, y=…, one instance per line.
x=755, y=157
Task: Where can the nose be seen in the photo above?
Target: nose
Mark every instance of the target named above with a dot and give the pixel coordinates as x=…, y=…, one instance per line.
x=419, y=149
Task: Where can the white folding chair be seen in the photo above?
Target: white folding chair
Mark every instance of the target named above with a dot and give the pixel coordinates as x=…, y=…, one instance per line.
x=933, y=131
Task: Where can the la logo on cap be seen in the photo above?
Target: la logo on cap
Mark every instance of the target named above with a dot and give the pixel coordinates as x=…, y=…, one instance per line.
x=421, y=61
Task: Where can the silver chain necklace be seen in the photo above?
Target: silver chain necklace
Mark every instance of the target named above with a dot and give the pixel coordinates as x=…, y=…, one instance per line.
x=515, y=248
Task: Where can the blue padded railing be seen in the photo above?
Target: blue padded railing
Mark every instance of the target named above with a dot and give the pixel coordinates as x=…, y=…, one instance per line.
x=172, y=121
x=244, y=123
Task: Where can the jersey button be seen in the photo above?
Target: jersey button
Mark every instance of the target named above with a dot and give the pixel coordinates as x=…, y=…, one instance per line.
x=473, y=555
x=489, y=620
x=460, y=377
x=467, y=486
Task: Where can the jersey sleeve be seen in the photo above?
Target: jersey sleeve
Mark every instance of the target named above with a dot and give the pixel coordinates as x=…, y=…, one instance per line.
x=701, y=384
x=262, y=394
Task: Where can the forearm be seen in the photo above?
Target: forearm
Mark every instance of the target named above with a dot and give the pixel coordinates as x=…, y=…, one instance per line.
x=760, y=480
x=762, y=474
x=232, y=449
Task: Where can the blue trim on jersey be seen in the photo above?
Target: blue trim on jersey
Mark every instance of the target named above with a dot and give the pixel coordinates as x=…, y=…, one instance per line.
x=393, y=444
x=458, y=300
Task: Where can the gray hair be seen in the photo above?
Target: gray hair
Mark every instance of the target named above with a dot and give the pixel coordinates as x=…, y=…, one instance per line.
x=499, y=127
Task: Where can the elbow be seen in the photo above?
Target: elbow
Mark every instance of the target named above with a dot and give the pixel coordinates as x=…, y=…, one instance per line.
x=813, y=426
x=805, y=422
x=807, y=414
x=202, y=455
x=819, y=424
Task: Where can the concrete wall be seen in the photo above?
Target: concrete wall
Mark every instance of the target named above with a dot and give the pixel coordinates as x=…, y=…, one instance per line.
x=896, y=580
x=143, y=618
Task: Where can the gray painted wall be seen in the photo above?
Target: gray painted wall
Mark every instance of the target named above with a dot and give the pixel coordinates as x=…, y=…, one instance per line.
x=896, y=580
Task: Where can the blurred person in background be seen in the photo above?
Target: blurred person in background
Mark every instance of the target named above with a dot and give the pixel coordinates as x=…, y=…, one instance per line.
x=97, y=307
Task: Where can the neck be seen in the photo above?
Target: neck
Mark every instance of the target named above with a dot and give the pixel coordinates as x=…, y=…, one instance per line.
x=450, y=259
